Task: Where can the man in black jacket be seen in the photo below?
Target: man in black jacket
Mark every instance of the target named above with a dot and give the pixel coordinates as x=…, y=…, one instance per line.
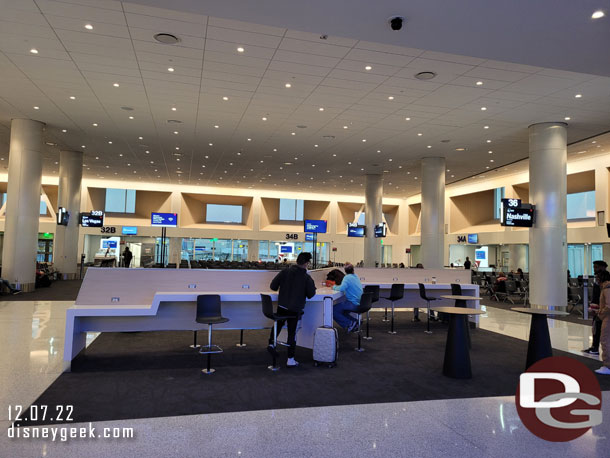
x=598, y=266
x=295, y=285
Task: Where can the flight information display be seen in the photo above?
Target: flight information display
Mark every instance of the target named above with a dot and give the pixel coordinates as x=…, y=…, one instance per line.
x=95, y=218
x=315, y=225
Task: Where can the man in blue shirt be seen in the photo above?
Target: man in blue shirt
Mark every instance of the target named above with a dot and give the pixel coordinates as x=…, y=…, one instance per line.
x=352, y=289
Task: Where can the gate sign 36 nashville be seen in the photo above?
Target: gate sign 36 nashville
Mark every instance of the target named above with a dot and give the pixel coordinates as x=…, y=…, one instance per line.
x=516, y=214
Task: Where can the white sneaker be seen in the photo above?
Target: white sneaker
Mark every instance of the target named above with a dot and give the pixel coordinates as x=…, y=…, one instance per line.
x=603, y=370
x=292, y=362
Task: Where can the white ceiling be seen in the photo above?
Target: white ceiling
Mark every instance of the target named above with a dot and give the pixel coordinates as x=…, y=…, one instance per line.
x=329, y=74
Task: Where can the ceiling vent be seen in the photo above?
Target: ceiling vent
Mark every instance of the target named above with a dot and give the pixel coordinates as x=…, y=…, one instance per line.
x=425, y=75
x=127, y=108
x=174, y=121
x=166, y=38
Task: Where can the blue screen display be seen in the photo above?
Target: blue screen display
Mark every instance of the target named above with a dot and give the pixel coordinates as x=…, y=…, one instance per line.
x=130, y=230
x=164, y=219
x=356, y=231
x=309, y=237
x=109, y=244
x=473, y=238
x=285, y=248
x=315, y=225
x=480, y=254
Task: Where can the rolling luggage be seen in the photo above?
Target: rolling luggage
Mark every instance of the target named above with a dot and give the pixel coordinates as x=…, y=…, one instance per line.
x=325, y=346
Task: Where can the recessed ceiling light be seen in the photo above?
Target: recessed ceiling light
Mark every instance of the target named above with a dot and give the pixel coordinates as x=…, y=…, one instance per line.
x=419, y=134
x=170, y=69
x=490, y=152
x=407, y=119
x=479, y=83
x=491, y=160
x=429, y=146
x=452, y=176
x=64, y=131
x=116, y=84
x=483, y=108
x=578, y=96
x=110, y=142
x=567, y=118
x=292, y=133
x=459, y=149
x=321, y=109
x=174, y=108
x=216, y=127
x=488, y=141
x=82, y=146
x=368, y=67
x=425, y=75
x=315, y=146
x=94, y=124
x=131, y=117
x=486, y=166
x=364, y=139
x=345, y=127
x=175, y=132
x=88, y=27
x=225, y=98
x=211, y=144
x=288, y=85
x=598, y=14
x=240, y=49
x=34, y=51
x=36, y=108
x=391, y=97
x=264, y=118
x=166, y=38
x=72, y=97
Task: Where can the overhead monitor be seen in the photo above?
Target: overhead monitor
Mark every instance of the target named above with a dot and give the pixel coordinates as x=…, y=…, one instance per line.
x=63, y=216
x=129, y=230
x=519, y=216
x=286, y=248
x=109, y=244
x=381, y=230
x=473, y=238
x=94, y=218
x=354, y=230
x=164, y=219
x=315, y=225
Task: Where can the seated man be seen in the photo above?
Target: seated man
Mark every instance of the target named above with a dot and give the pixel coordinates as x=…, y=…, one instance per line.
x=352, y=289
x=8, y=286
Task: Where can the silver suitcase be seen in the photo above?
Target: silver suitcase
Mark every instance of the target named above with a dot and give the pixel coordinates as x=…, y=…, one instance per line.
x=325, y=346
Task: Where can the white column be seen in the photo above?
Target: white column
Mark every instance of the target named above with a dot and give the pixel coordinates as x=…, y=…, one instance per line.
x=373, y=212
x=548, y=185
x=66, y=254
x=23, y=203
x=252, y=250
x=433, y=212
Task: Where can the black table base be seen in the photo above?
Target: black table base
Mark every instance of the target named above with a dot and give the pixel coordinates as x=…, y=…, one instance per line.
x=539, y=345
x=457, y=355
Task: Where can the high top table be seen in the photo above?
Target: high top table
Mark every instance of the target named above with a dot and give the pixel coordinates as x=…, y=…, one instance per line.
x=457, y=355
x=539, y=344
x=460, y=301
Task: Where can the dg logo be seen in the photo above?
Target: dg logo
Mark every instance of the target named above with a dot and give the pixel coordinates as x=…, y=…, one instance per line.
x=559, y=399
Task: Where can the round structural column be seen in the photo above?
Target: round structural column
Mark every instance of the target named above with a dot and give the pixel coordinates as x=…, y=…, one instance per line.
x=66, y=237
x=373, y=213
x=23, y=203
x=433, y=212
x=548, y=185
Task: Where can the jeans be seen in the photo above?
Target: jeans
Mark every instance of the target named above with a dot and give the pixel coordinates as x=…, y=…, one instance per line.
x=341, y=314
x=7, y=284
x=597, y=332
x=292, y=330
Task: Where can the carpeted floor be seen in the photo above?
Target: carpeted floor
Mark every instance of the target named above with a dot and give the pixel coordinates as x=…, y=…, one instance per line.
x=60, y=290
x=154, y=374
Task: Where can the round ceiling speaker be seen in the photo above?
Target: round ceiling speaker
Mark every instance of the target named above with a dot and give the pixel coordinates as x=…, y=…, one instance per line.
x=425, y=75
x=166, y=38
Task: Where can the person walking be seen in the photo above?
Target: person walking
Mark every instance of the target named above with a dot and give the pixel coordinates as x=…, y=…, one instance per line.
x=596, y=325
x=295, y=286
x=127, y=255
x=604, y=316
x=467, y=263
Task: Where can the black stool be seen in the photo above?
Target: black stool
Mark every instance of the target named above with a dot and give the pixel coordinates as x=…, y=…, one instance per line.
x=456, y=290
x=422, y=294
x=269, y=313
x=374, y=290
x=209, y=312
x=397, y=292
x=366, y=300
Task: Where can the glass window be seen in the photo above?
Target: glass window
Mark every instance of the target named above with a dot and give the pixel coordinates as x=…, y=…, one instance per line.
x=43, y=207
x=216, y=213
x=499, y=194
x=120, y=200
x=291, y=209
x=581, y=205
x=361, y=219
x=2, y=199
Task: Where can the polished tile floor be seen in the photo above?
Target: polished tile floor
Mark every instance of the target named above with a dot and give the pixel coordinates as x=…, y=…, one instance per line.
x=31, y=339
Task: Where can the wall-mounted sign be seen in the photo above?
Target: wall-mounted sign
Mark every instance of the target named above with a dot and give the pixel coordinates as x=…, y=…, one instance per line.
x=461, y=239
x=130, y=230
x=286, y=248
x=309, y=237
x=108, y=230
x=473, y=238
x=381, y=230
x=353, y=230
x=292, y=236
x=515, y=214
x=63, y=216
x=164, y=219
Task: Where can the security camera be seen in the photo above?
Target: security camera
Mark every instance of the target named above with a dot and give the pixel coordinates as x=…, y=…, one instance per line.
x=396, y=22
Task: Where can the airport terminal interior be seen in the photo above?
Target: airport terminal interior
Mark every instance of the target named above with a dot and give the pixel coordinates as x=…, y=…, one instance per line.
x=165, y=167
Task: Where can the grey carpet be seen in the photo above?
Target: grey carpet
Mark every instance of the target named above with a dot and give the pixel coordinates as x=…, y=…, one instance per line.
x=60, y=290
